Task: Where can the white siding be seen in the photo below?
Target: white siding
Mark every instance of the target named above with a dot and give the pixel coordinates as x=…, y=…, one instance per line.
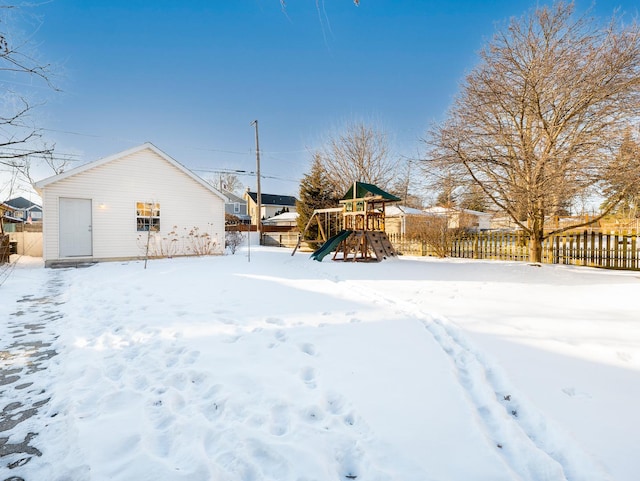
x=115, y=187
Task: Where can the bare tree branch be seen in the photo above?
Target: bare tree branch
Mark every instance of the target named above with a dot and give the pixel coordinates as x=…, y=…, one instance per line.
x=20, y=140
x=360, y=154
x=542, y=119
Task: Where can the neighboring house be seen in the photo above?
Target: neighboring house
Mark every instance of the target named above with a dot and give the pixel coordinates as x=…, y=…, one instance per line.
x=271, y=205
x=504, y=222
x=6, y=216
x=110, y=208
x=237, y=206
x=286, y=219
x=469, y=219
x=23, y=210
x=3, y=209
x=22, y=222
x=398, y=217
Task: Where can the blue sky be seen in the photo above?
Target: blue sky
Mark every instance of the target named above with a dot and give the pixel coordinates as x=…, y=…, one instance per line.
x=190, y=76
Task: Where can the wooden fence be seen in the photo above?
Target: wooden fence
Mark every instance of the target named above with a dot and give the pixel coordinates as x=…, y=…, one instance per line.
x=5, y=251
x=585, y=249
x=287, y=239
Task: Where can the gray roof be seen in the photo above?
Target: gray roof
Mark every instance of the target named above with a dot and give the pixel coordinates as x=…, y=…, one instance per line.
x=20, y=203
x=271, y=199
x=233, y=198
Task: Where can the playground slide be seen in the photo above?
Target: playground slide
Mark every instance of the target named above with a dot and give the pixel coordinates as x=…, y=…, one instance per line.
x=330, y=245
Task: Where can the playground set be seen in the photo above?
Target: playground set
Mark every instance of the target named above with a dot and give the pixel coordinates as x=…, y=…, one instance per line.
x=357, y=226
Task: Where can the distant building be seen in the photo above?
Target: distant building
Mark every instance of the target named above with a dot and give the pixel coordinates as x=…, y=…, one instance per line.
x=399, y=217
x=23, y=210
x=286, y=219
x=236, y=206
x=271, y=205
x=466, y=218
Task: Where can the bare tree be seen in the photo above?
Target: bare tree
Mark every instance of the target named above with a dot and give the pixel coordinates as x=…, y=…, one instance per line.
x=20, y=140
x=405, y=184
x=542, y=118
x=360, y=154
x=437, y=232
x=226, y=181
x=473, y=198
x=624, y=168
x=447, y=191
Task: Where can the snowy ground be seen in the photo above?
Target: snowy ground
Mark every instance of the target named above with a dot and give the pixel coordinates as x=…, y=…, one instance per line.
x=283, y=368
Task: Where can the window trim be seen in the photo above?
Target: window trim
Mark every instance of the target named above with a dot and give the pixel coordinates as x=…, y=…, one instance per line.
x=148, y=216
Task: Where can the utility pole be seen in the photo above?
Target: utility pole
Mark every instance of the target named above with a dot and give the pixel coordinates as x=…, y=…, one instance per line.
x=259, y=193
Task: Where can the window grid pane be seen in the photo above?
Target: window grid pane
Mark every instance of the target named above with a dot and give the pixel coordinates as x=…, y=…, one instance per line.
x=147, y=216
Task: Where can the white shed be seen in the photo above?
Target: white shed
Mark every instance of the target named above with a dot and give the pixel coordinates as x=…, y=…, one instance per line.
x=111, y=209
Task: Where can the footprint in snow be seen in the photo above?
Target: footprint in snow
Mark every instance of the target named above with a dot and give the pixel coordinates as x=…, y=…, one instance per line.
x=280, y=335
x=350, y=419
x=312, y=414
x=308, y=375
x=140, y=382
x=171, y=361
x=279, y=425
x=191, y=357
x=573, y=392
x=335, y=403
x=308, y=348
x=158, y=415
x=231, y=339
x=177, y=380
x=274, y=320
x=114, y=372
x=349, y=460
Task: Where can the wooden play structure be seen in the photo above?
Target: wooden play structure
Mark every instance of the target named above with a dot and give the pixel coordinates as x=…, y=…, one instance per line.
x=354, y=231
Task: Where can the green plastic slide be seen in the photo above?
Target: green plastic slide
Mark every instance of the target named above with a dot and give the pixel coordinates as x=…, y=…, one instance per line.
x=330, y=245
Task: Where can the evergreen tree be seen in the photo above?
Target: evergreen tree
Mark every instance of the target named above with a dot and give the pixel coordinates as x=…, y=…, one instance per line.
x=315, y=193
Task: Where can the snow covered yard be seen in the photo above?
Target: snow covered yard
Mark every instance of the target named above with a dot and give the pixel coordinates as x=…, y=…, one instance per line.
x=284, y=368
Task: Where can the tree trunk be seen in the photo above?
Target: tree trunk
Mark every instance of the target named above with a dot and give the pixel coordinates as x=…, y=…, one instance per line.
x=535, y=247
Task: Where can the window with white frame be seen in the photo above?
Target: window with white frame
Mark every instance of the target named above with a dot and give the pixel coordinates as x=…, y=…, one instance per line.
x=236, y=208
x=148, y=216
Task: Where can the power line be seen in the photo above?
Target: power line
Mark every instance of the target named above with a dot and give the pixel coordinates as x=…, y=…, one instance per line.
x=243, y=172
x=206, y=149
x=75, y=133
x=16, y=149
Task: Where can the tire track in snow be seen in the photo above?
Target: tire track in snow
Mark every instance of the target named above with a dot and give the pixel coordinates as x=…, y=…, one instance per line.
x=531, y=446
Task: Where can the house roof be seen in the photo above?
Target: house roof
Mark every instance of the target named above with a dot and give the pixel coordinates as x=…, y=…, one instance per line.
x=439, y=210
x=400, y=210
x=362, y=190
x=105, y=160
x=20, y=203
x=281, y=218
x=271, y=199
x=233, y=198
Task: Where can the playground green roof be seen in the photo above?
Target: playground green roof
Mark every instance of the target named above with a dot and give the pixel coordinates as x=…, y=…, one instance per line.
x=363, y=189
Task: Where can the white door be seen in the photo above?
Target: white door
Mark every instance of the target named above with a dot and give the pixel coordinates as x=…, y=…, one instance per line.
x=75, y=227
